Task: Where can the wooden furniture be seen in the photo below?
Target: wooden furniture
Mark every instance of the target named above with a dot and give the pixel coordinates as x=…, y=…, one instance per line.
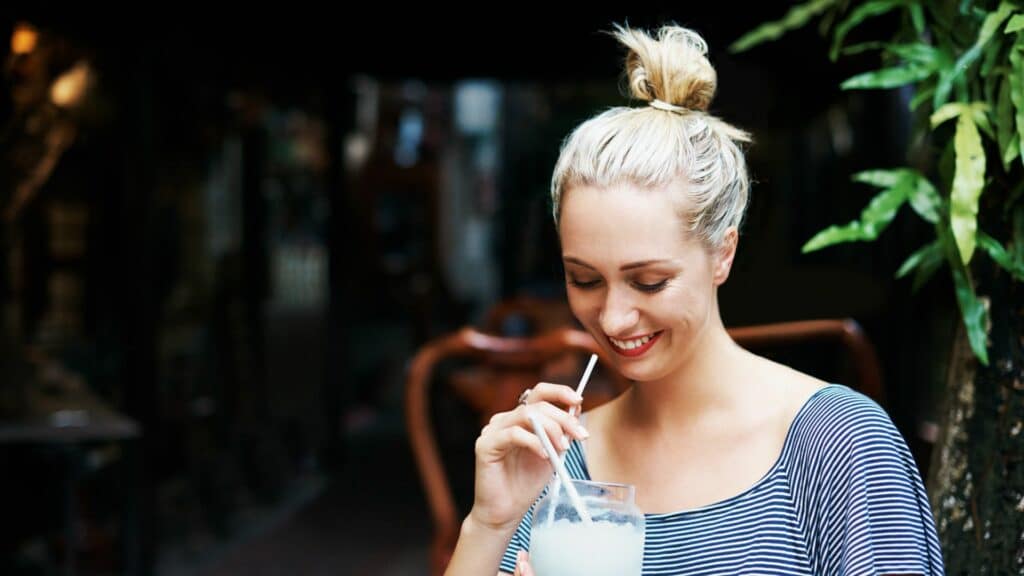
x=845, y=333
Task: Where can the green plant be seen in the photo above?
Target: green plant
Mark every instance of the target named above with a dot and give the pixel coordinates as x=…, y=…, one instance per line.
x=963, y=60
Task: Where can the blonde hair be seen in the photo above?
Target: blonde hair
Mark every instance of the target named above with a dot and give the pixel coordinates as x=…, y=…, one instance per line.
x=672, y=140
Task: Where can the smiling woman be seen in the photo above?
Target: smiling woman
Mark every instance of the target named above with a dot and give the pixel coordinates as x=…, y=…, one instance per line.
x=741, y=465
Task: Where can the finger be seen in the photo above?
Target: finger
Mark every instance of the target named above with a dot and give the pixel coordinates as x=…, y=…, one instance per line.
x=554, y=393
x=556, y=423
x=545, y=411
x=504, y=419
x=569, y=423
x=496, y=444
x=540, y=423
x=524, y=565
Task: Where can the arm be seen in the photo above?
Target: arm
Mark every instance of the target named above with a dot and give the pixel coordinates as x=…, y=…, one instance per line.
x=479, y=548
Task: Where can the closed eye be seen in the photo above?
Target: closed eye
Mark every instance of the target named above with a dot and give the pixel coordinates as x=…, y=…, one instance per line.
x=651, y=288
x=583, y=285
x=646, y=288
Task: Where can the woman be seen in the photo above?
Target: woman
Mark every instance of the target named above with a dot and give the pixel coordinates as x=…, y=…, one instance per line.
x=741, y=465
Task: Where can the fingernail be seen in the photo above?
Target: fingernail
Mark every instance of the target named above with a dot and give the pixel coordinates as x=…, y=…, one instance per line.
x=565, y=443
x=583, y=431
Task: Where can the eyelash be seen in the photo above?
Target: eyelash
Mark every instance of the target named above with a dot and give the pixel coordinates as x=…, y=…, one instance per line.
x=647, y=288
x=651, y=288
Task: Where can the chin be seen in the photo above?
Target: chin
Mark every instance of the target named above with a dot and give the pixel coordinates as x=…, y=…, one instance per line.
x=637, y=371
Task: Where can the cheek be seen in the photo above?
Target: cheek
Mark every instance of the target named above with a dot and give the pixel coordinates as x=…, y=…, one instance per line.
x=679, y=304
x=582, y=304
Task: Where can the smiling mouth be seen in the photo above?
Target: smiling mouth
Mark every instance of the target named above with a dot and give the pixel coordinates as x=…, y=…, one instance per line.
x=634, y=346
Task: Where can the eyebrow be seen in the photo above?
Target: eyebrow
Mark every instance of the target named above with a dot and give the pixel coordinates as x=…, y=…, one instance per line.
x=624, y=267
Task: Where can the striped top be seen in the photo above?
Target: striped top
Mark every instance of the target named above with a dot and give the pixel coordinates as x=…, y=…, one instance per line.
x=844, y=497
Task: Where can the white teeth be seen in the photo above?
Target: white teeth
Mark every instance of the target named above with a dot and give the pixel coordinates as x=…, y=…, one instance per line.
x=631, y=344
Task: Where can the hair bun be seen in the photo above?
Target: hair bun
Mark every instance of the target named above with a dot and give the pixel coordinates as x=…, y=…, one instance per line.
x=673, y=67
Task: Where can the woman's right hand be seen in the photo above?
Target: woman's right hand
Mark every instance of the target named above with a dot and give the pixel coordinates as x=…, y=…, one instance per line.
x=511, y=465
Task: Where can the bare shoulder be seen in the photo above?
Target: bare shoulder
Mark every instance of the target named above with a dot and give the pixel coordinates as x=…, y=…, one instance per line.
x=784, y=386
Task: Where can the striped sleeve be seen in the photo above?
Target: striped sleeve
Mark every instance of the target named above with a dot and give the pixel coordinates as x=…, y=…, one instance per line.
x=860, y=495
x=520, y=541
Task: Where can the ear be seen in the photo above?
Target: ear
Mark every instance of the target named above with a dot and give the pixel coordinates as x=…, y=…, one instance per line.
x=724, y=256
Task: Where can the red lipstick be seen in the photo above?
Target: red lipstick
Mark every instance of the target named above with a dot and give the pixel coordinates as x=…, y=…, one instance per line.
x=636, y=351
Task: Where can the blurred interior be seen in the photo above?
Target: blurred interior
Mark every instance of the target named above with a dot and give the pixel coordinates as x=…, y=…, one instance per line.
x=223, y=241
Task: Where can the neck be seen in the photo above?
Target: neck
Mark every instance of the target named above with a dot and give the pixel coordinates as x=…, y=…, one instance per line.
x=700, y=391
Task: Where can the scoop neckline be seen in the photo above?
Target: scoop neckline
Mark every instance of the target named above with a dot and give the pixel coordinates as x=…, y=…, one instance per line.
x=772, y=471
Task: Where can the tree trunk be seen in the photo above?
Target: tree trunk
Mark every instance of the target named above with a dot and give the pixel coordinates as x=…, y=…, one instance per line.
x=977, y=479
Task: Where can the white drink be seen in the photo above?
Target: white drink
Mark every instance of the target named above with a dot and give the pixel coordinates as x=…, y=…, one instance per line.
x=567, y=548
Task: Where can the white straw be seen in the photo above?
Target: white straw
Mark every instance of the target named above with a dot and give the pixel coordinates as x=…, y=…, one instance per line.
x=572, y=412
x=583, y=381
x=574, y=496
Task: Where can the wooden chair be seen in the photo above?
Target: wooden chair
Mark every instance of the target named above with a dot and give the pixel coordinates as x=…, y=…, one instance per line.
x=845, y=333
x=516, y=363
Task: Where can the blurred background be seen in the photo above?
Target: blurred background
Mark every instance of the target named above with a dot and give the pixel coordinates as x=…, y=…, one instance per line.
x=223, y=240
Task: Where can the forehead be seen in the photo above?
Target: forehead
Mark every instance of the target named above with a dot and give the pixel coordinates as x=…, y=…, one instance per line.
x=622, y=223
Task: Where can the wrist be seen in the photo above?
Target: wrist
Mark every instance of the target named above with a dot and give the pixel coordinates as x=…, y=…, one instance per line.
x=474, y=524
x=480, y=547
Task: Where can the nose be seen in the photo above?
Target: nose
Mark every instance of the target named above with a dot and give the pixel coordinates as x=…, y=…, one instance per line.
x=619, y=313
